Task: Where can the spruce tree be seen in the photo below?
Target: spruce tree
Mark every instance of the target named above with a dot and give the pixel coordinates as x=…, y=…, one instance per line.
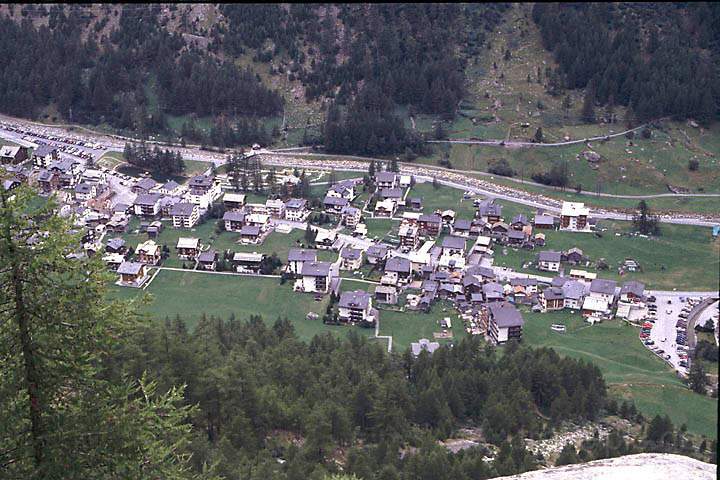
x=64, y=415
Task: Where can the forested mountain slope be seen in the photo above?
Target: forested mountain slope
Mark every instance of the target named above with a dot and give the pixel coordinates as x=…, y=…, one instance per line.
x=348, y=76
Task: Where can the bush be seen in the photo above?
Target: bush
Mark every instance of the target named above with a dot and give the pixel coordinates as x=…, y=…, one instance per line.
x=693, y=165
x=501, y=167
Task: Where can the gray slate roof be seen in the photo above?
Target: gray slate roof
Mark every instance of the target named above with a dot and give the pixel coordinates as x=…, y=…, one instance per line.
x=601, y=285
x=453, y=242
x=116, y=243
x=544, y=220
x=335, y=201
x=516, y=235
x=201, y=181
x=171, y=185
x=573, y=290
x=506, y=315
x=146, y=183
x=554, y=293
x=234, y=216
x=182, y=209
x=129, y=268
x=83, y=188
x=520, y=218
x=316, y=269
x=633, y=287
x=208, y=256
x=385, y=176
x=350, y=253
x=398, y=264
x=147, y=199
x=356, y=299
x=296, y=203
x=430, y=218
x=377, y=251
x=492, y=290
x=43, y=150
x=462, y=224
x=490, y=209
x=301, y=255
x=391, y=193
x=252, y=230
x=549, y=256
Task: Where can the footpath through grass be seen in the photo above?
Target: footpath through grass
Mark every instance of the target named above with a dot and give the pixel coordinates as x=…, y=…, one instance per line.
x=631, y=371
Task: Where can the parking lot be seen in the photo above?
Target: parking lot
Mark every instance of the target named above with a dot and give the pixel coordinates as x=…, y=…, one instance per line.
x=66, y=144
x=664, y=331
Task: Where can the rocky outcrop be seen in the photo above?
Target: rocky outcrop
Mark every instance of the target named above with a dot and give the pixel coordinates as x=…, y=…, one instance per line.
x=645, y=466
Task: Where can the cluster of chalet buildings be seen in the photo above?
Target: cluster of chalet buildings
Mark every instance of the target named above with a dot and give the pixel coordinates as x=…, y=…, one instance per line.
x=436, y=255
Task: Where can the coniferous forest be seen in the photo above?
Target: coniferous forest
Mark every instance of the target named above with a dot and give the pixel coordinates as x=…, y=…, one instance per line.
x=365, y=62
x=112, y=80
x=660, y=59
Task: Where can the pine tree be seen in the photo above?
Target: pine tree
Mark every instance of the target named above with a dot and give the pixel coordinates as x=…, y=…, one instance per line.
x=696, y=377
x=567, y=105
x=67, y=417
x=538, y=135
x=568, y=455
x=644, y=221
x=272, y=181
x=588, y=108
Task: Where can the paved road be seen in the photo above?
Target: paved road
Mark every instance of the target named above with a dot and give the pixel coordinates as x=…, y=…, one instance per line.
x=460, y=180
x=286, y=158
x=512, y=143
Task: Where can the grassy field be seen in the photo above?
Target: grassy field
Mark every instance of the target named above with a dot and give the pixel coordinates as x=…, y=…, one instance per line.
x=683, y=257
x=190, y=294
x=409, y=326
x=111, y=160
x=646, y=167
x=508, y=99
x=443, y=198
x=631, y=371
x=703, y=205
x=380, y=227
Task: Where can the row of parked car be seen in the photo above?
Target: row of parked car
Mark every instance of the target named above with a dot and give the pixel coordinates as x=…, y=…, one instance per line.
x=64, y=144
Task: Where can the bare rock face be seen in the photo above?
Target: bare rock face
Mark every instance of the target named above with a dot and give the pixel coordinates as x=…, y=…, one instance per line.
x=643, y=466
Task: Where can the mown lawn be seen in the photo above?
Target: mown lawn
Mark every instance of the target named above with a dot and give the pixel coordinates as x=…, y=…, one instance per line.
x=380, y=227
x=409, y=326
x=443, y=198
x=190, y=294
x=631, y=371
x=683, y=257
